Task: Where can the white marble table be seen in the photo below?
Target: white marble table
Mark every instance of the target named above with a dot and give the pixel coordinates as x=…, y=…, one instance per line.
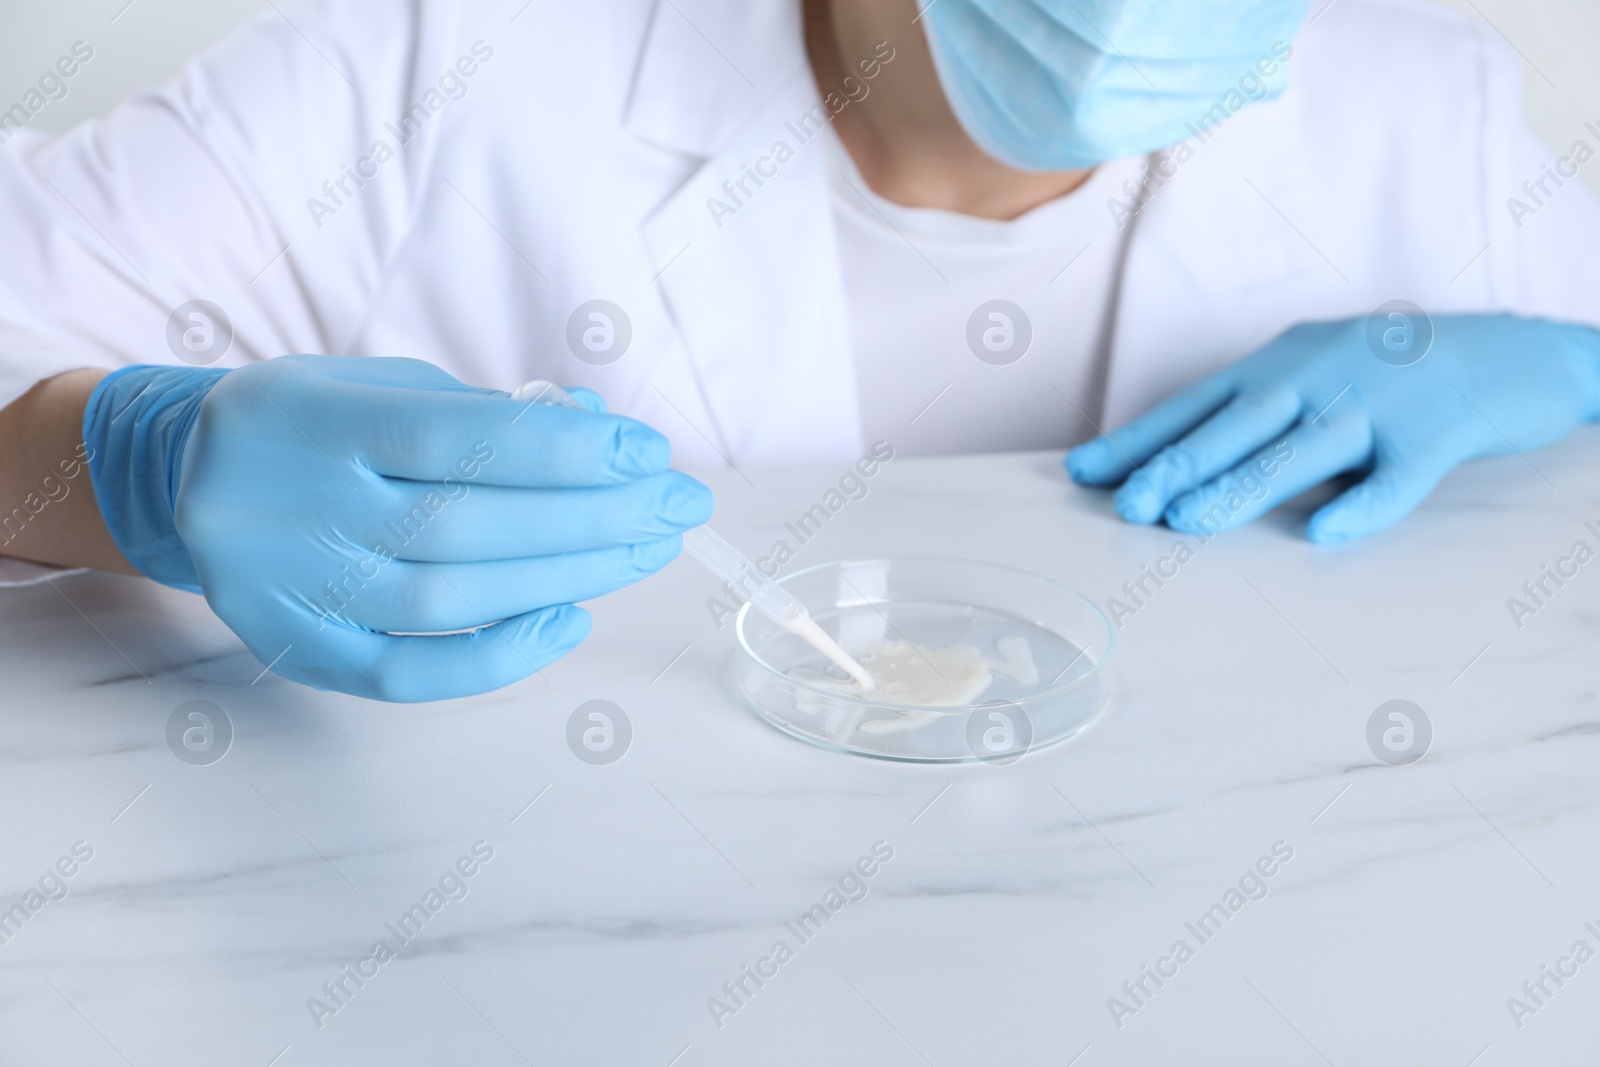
x=219, y=899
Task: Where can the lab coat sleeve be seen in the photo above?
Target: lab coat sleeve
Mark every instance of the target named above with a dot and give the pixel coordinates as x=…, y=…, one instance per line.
x=1542, y=209
x=240, y=184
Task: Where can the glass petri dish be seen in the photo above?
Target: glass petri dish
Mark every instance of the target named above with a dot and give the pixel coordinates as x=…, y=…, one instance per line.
x=1010, y=618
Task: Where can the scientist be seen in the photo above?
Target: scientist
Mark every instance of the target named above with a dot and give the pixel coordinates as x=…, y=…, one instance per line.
x=772, y=230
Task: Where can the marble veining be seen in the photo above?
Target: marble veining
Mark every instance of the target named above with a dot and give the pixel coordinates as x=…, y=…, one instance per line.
x=1021, y=902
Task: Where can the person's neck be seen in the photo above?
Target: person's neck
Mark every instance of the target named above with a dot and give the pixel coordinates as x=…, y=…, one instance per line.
x=903, y=136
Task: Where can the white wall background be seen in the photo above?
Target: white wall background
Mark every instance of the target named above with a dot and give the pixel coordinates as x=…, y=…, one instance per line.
x=136, y=46
x=145, y=42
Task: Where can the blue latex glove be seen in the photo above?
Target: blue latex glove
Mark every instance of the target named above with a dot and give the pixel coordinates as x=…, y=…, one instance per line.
x=330, y=506
x=1318, y=402
x=1063, y=84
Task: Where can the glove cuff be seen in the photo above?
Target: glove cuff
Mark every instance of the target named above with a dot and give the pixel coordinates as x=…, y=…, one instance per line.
x=136, y=425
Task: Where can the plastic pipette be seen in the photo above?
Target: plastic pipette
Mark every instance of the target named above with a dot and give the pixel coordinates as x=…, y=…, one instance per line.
x=733, y=566
x=768, y=597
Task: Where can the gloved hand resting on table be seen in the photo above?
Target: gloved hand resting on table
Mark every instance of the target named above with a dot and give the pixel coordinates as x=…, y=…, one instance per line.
x=1318, y=402
x=332, y=509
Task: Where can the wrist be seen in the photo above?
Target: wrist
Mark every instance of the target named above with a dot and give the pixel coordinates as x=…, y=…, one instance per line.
x=136, y=425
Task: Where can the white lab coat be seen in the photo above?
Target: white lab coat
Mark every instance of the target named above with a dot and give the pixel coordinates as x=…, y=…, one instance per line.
x=580, y=161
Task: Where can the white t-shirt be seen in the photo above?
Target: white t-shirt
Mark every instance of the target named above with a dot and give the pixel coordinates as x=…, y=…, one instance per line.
x=927, y=291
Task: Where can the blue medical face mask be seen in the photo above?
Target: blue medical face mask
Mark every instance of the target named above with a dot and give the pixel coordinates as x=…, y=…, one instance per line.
x=1065, y=84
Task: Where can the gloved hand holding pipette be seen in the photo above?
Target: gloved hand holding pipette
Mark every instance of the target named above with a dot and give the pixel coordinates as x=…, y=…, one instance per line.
x=341, y=514
x=732, y=566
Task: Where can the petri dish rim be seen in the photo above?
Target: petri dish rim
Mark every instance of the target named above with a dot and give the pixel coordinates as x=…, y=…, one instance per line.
x=955, y=709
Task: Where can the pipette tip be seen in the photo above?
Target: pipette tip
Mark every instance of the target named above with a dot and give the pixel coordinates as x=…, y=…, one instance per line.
x=814, y=635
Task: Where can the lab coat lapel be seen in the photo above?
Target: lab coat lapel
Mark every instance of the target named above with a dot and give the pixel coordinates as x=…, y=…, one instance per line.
x=745, y=250
x=1220, y=261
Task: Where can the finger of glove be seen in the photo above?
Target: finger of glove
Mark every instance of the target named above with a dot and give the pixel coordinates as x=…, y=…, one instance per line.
x=1247, y=422
x=1392, y=491
x=406, y=597
x=483, y=436
x=1308, y=456
x=588, y=398
x=1109, y=459
x=495, y=522
x=403, y=669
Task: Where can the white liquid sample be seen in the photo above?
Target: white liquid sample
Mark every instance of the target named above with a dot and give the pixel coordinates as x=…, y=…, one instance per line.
x=909, y=674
